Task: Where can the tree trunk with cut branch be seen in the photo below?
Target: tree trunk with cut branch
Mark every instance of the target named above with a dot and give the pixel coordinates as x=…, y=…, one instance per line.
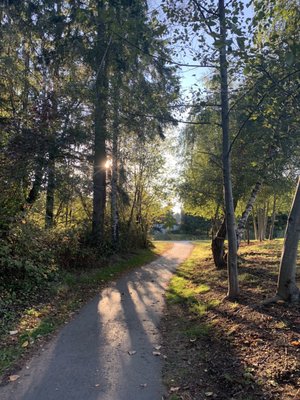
x=217, y=246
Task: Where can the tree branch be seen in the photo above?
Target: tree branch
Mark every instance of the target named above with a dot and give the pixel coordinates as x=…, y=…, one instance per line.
x=167, y=60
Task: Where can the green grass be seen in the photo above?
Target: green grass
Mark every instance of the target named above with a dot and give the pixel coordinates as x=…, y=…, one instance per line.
x=186, y=289
x=246, y=277
x=9, y=355
x=198, y=331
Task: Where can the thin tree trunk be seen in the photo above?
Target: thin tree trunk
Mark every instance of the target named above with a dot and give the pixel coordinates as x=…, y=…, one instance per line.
x=243, y=220
x=248, y=233
x=100, y=117
x=50, y=192
x=271, y=232
x=132, y=209
x=266, y=220
x=287, y=287
x=233, y=288
x=260, y=223
x=217, y=246
x=255, y=224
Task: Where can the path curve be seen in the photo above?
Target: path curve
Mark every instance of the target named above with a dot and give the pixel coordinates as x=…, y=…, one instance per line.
x=106, y=351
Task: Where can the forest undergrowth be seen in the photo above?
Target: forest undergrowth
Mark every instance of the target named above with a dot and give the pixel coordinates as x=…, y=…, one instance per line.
x=230, y=350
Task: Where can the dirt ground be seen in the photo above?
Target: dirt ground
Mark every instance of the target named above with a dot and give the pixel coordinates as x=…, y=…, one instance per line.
x=223, y=350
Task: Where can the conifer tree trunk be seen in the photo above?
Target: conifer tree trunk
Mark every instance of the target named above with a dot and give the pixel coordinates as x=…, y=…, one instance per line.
x=114, y=175
x=233, y=288
x=99, y=176
x=287, y=288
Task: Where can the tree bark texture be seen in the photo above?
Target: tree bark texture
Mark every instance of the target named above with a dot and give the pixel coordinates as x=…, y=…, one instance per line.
x=287, y=288
x=244, y=218
x=233, y=288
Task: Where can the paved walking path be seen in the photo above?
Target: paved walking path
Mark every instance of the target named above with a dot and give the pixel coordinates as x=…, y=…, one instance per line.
x=106, y=351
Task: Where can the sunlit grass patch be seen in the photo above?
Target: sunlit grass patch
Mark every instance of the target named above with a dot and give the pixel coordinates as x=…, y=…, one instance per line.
x=180, y=290
x=200, y=308
x=159, y=247
x=247, y=277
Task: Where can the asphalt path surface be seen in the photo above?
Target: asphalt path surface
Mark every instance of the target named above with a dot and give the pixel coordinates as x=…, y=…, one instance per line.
x=106, y=351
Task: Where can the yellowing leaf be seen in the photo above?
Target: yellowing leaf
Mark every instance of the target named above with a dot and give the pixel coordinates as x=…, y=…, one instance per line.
x=25, y=344
x=295, y=343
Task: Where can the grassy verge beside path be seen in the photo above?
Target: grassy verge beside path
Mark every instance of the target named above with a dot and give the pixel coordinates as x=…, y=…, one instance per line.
x=23, y=329
x=230, y=351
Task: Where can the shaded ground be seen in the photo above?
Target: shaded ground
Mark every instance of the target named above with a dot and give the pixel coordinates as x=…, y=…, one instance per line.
x=224, y=350
x=111, y=350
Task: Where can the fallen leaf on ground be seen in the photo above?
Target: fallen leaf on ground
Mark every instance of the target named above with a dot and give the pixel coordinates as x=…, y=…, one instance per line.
x=156, y=353
x=174, y=389
x=132, y=352
x=13, y=332
x=13, y=378
x=25, y=344
x=295, y=342
x=157, y=347
x=209, y=394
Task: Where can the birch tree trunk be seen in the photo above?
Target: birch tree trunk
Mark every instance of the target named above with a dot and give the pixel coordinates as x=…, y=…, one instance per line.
x=233, y=288
x=249, y=207
x=287, y=288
